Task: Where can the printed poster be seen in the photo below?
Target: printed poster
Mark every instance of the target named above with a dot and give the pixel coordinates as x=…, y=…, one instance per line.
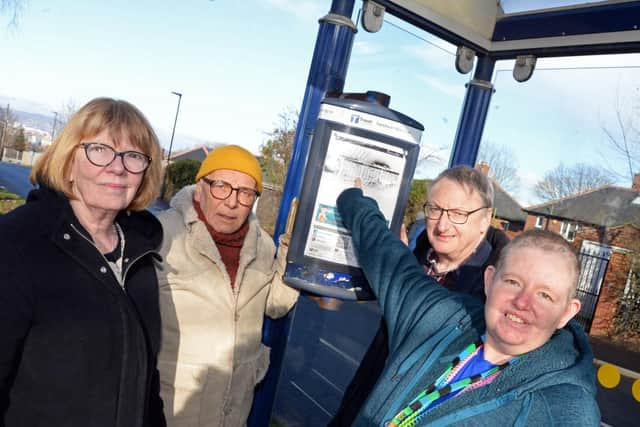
x=351, y=161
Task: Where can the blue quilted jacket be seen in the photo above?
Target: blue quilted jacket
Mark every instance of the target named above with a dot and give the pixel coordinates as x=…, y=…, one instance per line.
x=429, y=326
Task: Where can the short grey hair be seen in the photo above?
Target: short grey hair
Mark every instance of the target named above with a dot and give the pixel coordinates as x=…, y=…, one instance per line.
x=470, y=178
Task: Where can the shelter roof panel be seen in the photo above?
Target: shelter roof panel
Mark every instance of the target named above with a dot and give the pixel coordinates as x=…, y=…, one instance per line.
x=508, y=28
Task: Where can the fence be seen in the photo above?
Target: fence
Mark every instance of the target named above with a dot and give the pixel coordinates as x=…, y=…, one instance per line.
x=25, y=158
x=594, y=260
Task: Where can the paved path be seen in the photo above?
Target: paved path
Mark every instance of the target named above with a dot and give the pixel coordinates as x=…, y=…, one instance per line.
x=617, y=405
x=15, y=178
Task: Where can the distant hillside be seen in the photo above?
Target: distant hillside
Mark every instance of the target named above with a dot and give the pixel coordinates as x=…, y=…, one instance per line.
x=20, y=104
x=29, y=113
x=34, y=120
x=35, y=115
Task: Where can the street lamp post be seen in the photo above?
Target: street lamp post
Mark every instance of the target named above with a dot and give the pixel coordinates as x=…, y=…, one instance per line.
x=173, y=132
x=53, y=128
x=4, y=132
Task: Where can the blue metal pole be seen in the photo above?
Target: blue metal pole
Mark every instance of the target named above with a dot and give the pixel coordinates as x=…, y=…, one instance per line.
x=473, y=115
x=326, y=75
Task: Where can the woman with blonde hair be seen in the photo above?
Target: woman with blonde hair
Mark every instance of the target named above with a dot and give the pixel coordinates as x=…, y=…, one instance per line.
x=79, y=315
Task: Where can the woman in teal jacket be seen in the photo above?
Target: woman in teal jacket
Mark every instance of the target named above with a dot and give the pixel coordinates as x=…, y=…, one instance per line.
x=535, y=366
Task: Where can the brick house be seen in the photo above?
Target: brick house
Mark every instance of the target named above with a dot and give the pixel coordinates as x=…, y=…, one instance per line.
x=508, y=215
x=604, y=225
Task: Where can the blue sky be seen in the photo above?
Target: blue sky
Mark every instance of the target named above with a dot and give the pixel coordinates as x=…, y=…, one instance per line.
x=241, y=63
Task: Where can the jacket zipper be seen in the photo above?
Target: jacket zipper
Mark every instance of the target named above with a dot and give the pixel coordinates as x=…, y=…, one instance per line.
x=125, y=331
x=136, y=259
x=125, y=268
x=94, y=245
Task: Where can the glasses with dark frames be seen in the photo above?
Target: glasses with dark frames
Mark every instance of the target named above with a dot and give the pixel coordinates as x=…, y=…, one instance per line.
x=221, y=190
x=456, y=216
x=103, y=155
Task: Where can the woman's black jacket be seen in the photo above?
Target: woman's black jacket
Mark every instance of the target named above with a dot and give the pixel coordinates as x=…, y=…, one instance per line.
x=76, y=349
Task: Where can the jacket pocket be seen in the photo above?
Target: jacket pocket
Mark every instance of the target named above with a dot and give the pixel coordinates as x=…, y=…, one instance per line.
x=245, y=377
x=181, y=389
x=262, y=363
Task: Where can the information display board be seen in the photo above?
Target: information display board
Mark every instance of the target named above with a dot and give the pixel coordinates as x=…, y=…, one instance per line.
x=356, y=144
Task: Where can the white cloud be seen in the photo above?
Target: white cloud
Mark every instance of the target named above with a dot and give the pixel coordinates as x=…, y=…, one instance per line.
x=584, y=89
x=366, y=48
x=302, y=9
x=441, y=55
x=454, y=90
x=590, y=61
x=526, y=194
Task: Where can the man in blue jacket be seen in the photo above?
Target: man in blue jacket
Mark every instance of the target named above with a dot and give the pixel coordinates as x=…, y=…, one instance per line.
x=518, y=360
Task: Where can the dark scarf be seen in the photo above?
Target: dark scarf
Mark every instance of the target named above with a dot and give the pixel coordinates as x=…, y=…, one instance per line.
x=229, y=245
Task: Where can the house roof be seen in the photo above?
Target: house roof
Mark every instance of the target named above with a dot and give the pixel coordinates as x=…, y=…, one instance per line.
x=505, y=29
x=195, y=153
x=507, y=207
x=605, y=206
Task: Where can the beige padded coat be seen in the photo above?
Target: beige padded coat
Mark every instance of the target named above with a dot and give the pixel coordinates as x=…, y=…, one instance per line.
x=211, y=355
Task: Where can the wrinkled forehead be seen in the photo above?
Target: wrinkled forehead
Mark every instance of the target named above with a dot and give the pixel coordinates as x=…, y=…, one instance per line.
x=234, y=177
x=455, y=190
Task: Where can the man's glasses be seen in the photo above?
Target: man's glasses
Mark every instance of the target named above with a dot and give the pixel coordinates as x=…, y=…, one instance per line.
x=456, y=216
x=221, y=190
x=103, y=155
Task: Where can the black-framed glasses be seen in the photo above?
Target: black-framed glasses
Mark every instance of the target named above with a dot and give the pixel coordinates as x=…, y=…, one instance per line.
x=103, y=155
x=221, y=190
x=456, y=216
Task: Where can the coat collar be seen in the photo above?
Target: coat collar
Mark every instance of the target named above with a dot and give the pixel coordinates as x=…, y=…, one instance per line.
x=201, y=239
x=143, y=232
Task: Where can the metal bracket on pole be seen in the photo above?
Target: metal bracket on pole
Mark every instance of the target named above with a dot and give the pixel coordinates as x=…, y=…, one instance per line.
x=334, y=18
x=465, y=59
x=372, y=16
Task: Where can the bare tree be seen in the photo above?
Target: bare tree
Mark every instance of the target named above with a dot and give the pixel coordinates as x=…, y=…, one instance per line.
x=67, y=109
x=275, y=153
x=431, y=153
x=624, y=139
x=567, y=180
x=12, y=9
x=503, y=166
x=7, y=133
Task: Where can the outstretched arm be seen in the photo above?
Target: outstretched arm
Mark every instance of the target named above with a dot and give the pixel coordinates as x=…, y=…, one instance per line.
x=406, y=294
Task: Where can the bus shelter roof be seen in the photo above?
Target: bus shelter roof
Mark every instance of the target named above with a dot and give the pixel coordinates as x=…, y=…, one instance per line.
x=504, y=29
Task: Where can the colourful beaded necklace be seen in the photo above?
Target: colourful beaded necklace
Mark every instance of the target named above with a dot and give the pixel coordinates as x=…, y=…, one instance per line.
x=412, y=413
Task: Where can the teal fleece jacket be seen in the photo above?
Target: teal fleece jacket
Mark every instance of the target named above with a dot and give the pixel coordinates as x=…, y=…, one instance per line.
x=429, y=326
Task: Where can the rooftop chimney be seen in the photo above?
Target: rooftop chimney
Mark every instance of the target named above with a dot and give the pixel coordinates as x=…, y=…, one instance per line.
x=636, y=182
x=484, y=168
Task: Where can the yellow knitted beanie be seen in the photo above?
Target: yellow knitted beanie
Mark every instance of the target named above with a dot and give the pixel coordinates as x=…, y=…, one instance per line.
x=232, y=157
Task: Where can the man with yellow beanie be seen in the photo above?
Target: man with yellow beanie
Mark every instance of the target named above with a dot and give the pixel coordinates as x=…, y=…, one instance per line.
x=219, y=278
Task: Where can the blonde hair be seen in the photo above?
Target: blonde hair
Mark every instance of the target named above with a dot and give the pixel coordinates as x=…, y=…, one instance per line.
x=120, y=118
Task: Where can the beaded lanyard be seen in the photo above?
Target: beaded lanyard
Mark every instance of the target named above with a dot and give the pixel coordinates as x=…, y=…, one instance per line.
x=412, y=413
